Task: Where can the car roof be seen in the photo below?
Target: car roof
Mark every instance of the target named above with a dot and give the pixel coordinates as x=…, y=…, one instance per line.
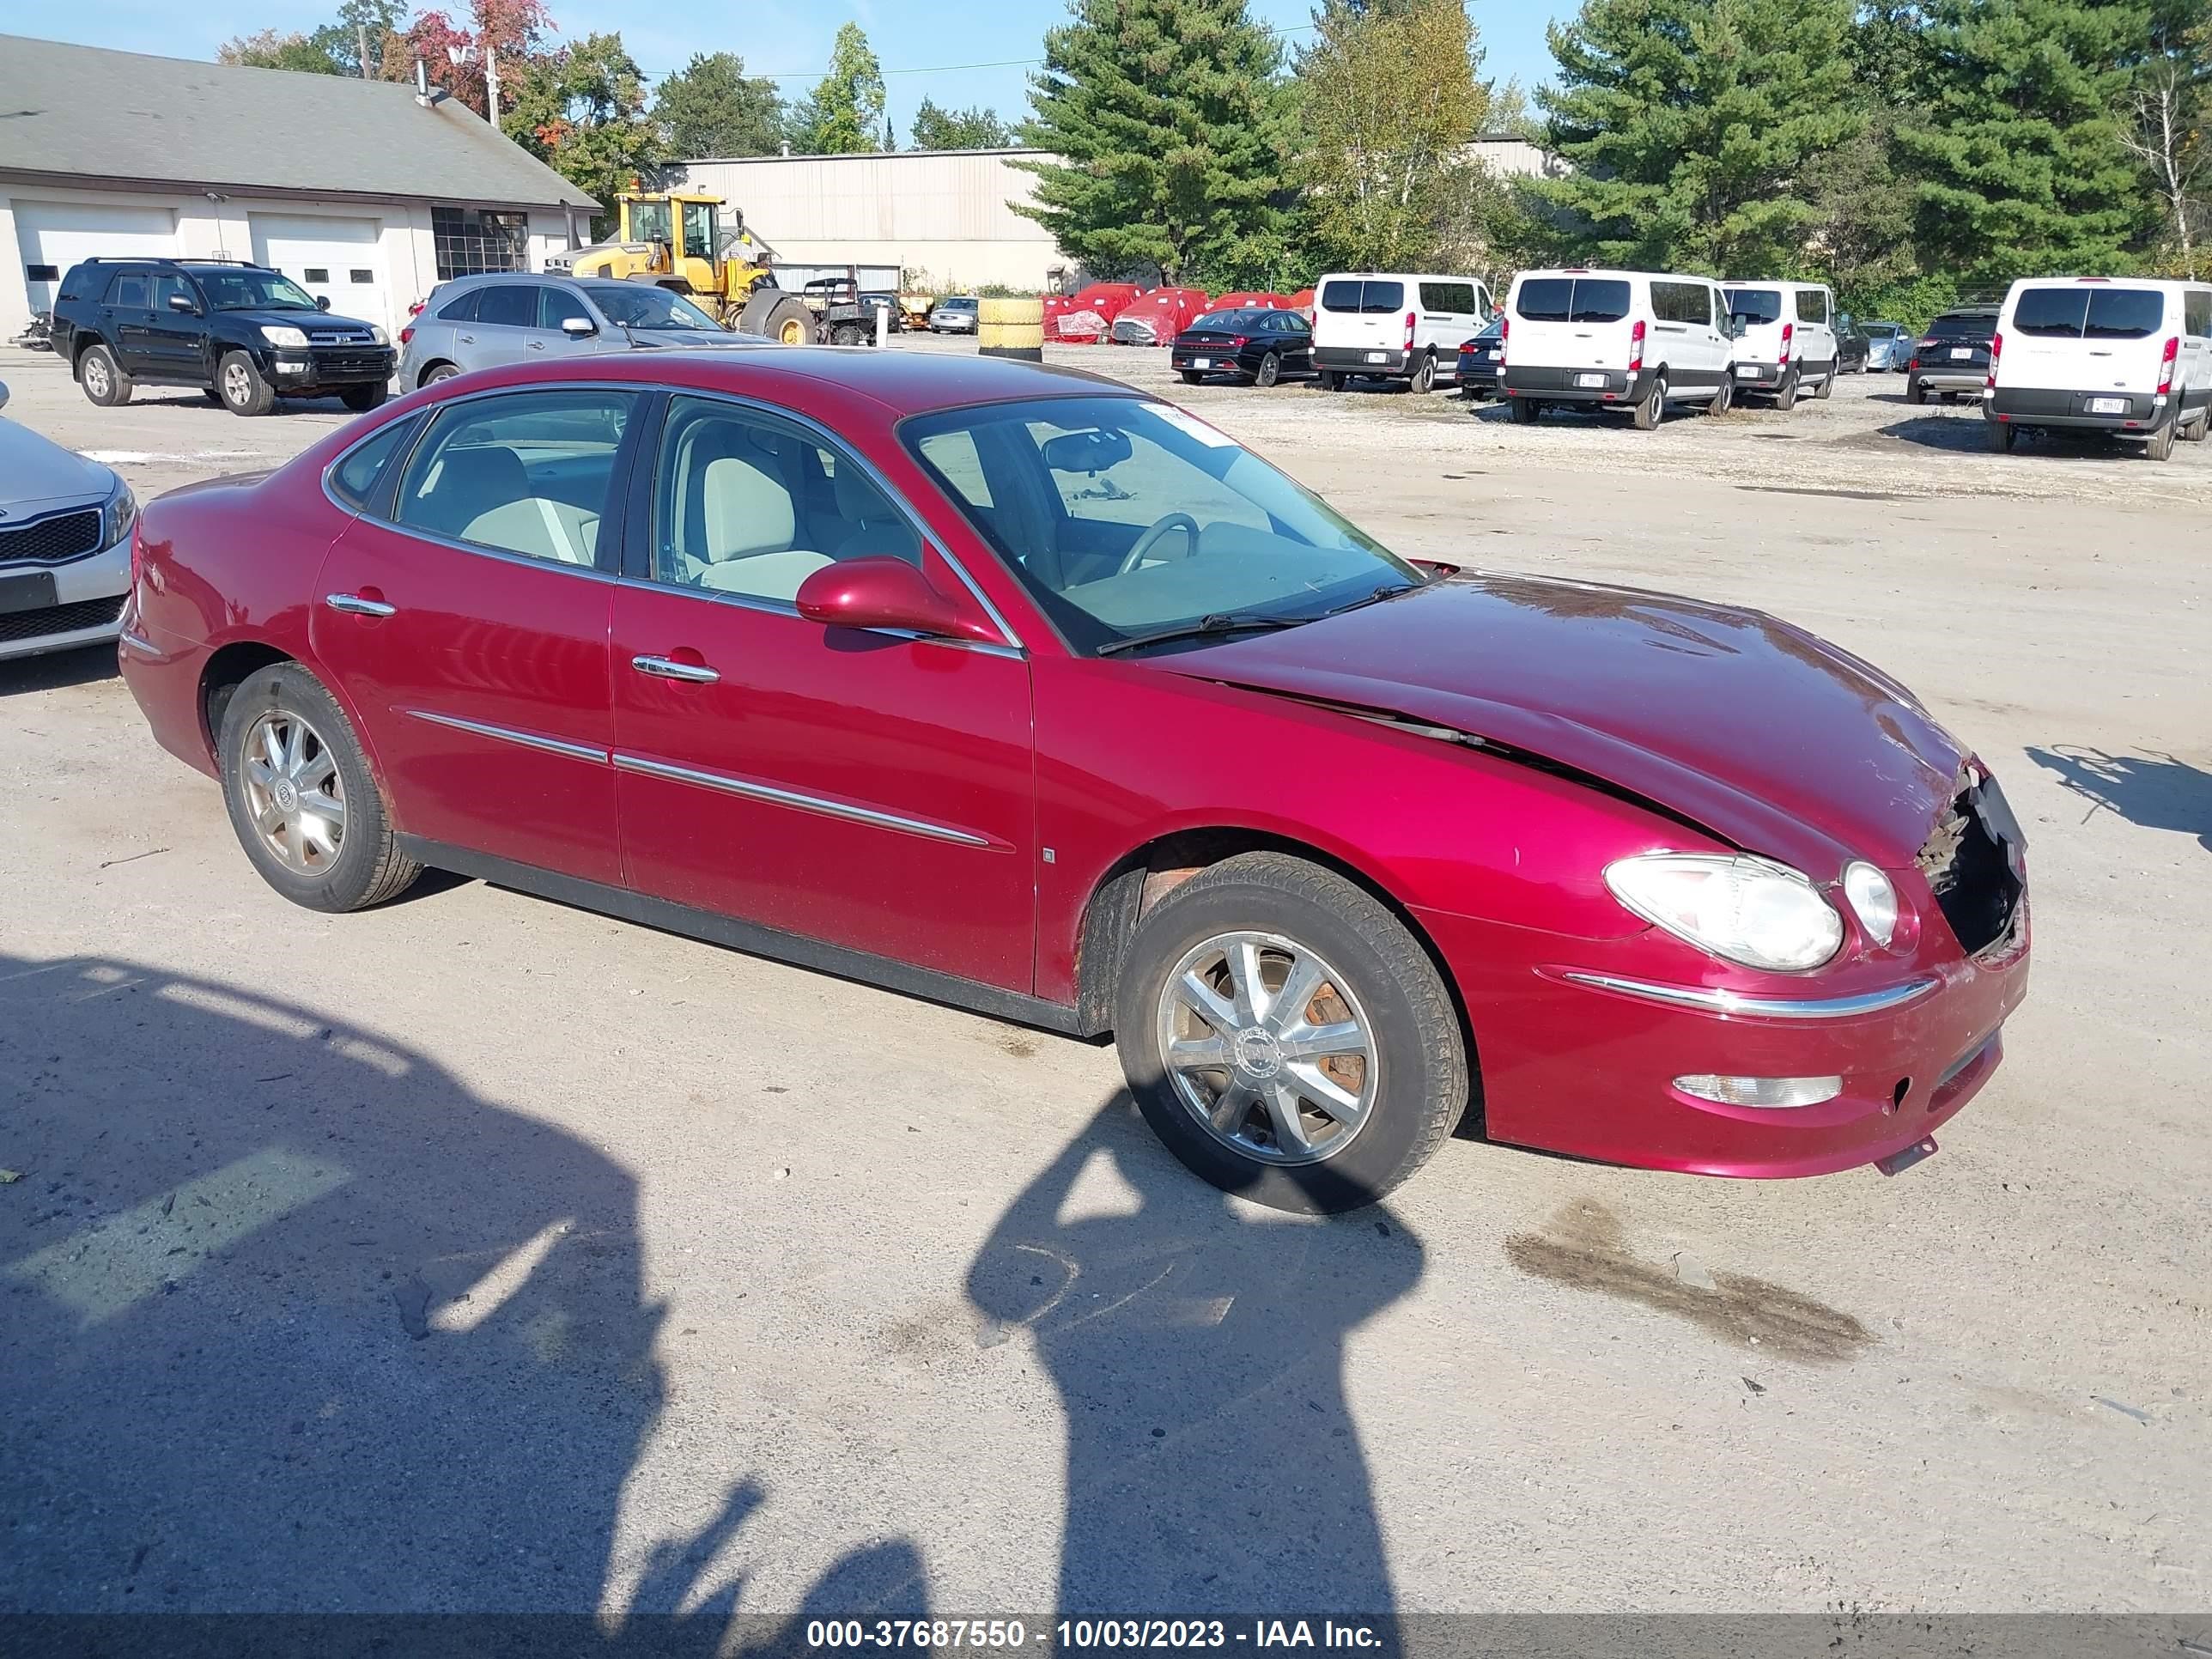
x=1612, y=273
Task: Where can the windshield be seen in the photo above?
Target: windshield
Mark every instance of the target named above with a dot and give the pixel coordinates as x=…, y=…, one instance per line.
x=2091, y=312
x=1751, y=306
x=649, y=222
x=1123, y=518
x=955, y=305
x=252, y=290
x=637, y=305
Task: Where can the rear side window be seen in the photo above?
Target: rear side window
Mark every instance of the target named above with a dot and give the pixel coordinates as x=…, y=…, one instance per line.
x=526, y=472
x=2196, y=312
x=1368, y=299
x=1750, y=306
x=2090, y=311
x=131, y=289
x=461, y=310
x=353, y=479
x=513, y=305
x=1449, y=296
x=1680, y=302
x=1811, y=306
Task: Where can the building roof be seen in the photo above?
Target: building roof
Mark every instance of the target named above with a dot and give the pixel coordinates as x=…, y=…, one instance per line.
x=124, y=118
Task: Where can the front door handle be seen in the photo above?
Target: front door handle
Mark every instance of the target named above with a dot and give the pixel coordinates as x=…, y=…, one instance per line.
x=692, y=673
x=466, y=339
x=353, y=605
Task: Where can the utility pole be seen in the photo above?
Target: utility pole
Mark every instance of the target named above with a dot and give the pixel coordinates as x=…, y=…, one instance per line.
x=361, y=35
x=491, y=81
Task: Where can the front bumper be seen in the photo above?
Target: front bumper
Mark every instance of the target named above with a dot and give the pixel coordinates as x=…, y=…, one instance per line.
x=2026, y=406
x=1578, y=1043
x=1564, y=386
x=330, y=369
x=87, y=610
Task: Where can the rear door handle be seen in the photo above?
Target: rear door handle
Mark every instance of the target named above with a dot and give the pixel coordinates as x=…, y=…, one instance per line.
x=537, y=345
x=692, y=673
x=353, y=605
x=466, y=339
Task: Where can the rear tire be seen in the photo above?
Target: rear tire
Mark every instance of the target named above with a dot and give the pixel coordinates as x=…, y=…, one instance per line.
x=1785, y=395
x=438, y=372
x=1648, y=414
x=2002, y=435
x=350, y=861
x=1270, y=371
x=243, y=391
x=848, y=334
x=2160, y=447
x=1422, y=375
x=1525, y=410
x=1190, y=376
x=1370, y=1112
x=1914, y=391
x=2195, y=431
x=102, y=377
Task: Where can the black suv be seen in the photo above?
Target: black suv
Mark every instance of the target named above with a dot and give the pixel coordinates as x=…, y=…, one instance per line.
x=1953, y=355
x=244, y=334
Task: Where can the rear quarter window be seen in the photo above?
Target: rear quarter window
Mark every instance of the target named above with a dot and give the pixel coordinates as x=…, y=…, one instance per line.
x=355, y=478
x=462, y=308
x=2196, y=312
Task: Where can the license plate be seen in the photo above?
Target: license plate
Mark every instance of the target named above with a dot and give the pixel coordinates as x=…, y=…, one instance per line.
x=1746, y=371
x=2108, y=405
x=1376, y=356
x=1590, y=379
x=1960, y=354
x=1201, y=362
x=33, y=590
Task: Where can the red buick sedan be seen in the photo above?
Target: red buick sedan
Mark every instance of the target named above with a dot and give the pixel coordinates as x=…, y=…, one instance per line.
x=1016, y=688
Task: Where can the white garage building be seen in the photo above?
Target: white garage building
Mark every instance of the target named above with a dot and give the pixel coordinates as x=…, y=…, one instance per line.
x=355, y=189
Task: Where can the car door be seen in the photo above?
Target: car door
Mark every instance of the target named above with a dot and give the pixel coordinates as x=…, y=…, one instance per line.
x=551, y=341
x=1816, y=332
x=1297, y=341
x=1717, y=349
x=175, y=338
x=130, y=305
x=464, y=615
x=2193, y=384
x=871, y=791
x=506, y=322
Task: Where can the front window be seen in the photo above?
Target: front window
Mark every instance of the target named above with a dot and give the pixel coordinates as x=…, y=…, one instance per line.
x=247, y=289
x=1125, y=518
x=649, y=222
x=637, y=305
x=1749, y=308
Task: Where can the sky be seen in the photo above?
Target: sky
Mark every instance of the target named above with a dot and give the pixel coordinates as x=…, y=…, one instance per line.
x=917, y=43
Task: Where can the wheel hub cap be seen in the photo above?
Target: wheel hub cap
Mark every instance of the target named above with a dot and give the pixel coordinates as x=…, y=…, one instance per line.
x=1268, y=1048
x=294, y=793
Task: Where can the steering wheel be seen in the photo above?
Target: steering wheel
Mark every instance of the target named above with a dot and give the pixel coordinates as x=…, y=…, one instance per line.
x=1182, y=521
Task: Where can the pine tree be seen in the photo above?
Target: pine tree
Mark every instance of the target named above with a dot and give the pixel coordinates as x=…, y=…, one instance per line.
x=1691, y=125
x=711, y=107
x=2017, y=146
x=844, y=113
x=1169, y=122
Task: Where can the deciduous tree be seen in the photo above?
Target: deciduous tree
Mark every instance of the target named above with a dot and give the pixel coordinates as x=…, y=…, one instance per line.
x=978, y=128
x=1168, y=123
x=844, y=113
x=274, y=49
x=582, y=111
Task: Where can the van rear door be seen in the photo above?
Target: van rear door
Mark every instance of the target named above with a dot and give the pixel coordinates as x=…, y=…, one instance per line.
x=1759, y=315
x=1365, y=314
x=2085, y=336
x=1569, y=322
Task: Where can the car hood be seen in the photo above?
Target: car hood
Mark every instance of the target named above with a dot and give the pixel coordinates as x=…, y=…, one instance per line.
x=276, y=318
x=37, y=474
x=1755, y=730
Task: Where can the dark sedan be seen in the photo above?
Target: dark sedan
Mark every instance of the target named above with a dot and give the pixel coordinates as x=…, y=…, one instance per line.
x=1259, y=346
x=1481, y=365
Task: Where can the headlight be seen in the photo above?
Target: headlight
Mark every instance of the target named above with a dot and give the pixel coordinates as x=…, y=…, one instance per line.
x=1744, y=910
x=117, y=515
x=281, y=334
x=1873, y=901
x=378, y=335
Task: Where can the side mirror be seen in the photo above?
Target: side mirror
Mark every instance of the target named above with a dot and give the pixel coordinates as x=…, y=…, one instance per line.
x=183, y=302
x=877, y=590
x=578, y=328
x=322, y=302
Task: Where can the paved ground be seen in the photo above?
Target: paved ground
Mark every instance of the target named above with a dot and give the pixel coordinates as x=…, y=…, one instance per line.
x=478, y=1252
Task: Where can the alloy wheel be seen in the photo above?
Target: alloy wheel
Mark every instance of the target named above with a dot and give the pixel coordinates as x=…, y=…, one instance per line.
x=95, y=375
x=236, y=385
x=1268, y=1048
x=294, y=791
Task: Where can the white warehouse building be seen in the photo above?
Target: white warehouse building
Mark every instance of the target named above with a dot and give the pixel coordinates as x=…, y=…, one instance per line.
x=948, y=217
x=355, y=189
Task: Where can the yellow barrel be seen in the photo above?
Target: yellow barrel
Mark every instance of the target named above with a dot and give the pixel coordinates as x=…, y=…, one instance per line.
x=1012, y=328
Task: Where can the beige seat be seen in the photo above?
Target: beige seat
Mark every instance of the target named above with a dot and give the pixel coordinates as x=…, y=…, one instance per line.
x=749, y=526
x=542, y=528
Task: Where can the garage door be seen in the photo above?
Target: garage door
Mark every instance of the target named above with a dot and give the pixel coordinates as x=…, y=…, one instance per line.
x=51, y=236
x=331, y=257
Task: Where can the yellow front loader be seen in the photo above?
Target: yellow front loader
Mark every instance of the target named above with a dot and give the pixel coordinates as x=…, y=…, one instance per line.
x=678, y=241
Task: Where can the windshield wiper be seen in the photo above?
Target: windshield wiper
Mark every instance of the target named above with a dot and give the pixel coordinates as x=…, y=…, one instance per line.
x=1385, y=592
x=1221, y=622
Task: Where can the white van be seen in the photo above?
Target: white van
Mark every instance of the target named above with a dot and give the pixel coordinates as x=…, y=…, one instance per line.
x=1785, y=339
x=1395, y=325
x=2111, y=354
x=1635, y=340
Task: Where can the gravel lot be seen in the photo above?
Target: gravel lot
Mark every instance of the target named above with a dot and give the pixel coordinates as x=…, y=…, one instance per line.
x=477, y=1253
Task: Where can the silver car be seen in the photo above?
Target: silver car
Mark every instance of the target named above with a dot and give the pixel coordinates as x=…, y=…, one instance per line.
x=481, y=322
x=64, y=545
x=957, y=315
x=1889, y=345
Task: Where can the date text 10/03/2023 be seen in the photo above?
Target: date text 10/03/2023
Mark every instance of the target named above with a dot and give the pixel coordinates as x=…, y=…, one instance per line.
x=988, y=1635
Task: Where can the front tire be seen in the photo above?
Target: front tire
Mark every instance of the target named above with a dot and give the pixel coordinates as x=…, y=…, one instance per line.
x=102, y=377
x=1724, y=399
x=301, y=799
x=1827, y=385
x=244, y=391
x=1286, y=1038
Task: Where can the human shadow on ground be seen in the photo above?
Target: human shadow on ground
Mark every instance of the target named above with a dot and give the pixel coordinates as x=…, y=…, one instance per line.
x=2158, y=791
x=294, y=1322
x=1198, y=1344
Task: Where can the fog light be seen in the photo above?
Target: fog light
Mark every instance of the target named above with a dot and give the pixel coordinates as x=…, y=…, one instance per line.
x=1760, y=1090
